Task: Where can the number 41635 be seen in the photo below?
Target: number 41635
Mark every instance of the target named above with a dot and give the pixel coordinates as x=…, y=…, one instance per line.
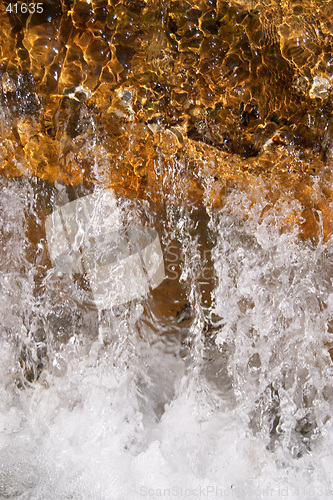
x=24, y=8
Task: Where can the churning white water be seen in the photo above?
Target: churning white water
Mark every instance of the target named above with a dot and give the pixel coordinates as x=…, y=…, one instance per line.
x=228, y=396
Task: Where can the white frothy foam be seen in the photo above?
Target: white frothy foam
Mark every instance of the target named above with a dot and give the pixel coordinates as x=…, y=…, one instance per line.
x=123, y=414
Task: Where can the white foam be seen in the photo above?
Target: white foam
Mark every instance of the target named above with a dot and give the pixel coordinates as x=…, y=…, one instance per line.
x=122, y=415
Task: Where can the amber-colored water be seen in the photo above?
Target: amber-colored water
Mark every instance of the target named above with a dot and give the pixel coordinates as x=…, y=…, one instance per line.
x=102, y=91
x=212, y=121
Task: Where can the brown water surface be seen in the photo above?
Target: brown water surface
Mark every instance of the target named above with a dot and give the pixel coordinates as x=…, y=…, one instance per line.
x=102, y=92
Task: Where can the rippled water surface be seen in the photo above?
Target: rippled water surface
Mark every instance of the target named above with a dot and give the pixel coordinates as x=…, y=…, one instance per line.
x=212, y=123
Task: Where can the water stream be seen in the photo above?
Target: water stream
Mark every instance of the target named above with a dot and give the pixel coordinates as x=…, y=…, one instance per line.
x=218, y=384
x=212, y=122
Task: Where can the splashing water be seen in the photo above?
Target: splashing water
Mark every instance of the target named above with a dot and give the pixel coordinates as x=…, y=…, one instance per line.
x=219, y=384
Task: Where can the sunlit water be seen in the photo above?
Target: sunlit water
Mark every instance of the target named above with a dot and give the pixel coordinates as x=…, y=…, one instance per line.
x=232, y=400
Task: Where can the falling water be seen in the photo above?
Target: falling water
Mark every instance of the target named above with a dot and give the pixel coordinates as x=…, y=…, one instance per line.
x=218, y=383
x=212, y=386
